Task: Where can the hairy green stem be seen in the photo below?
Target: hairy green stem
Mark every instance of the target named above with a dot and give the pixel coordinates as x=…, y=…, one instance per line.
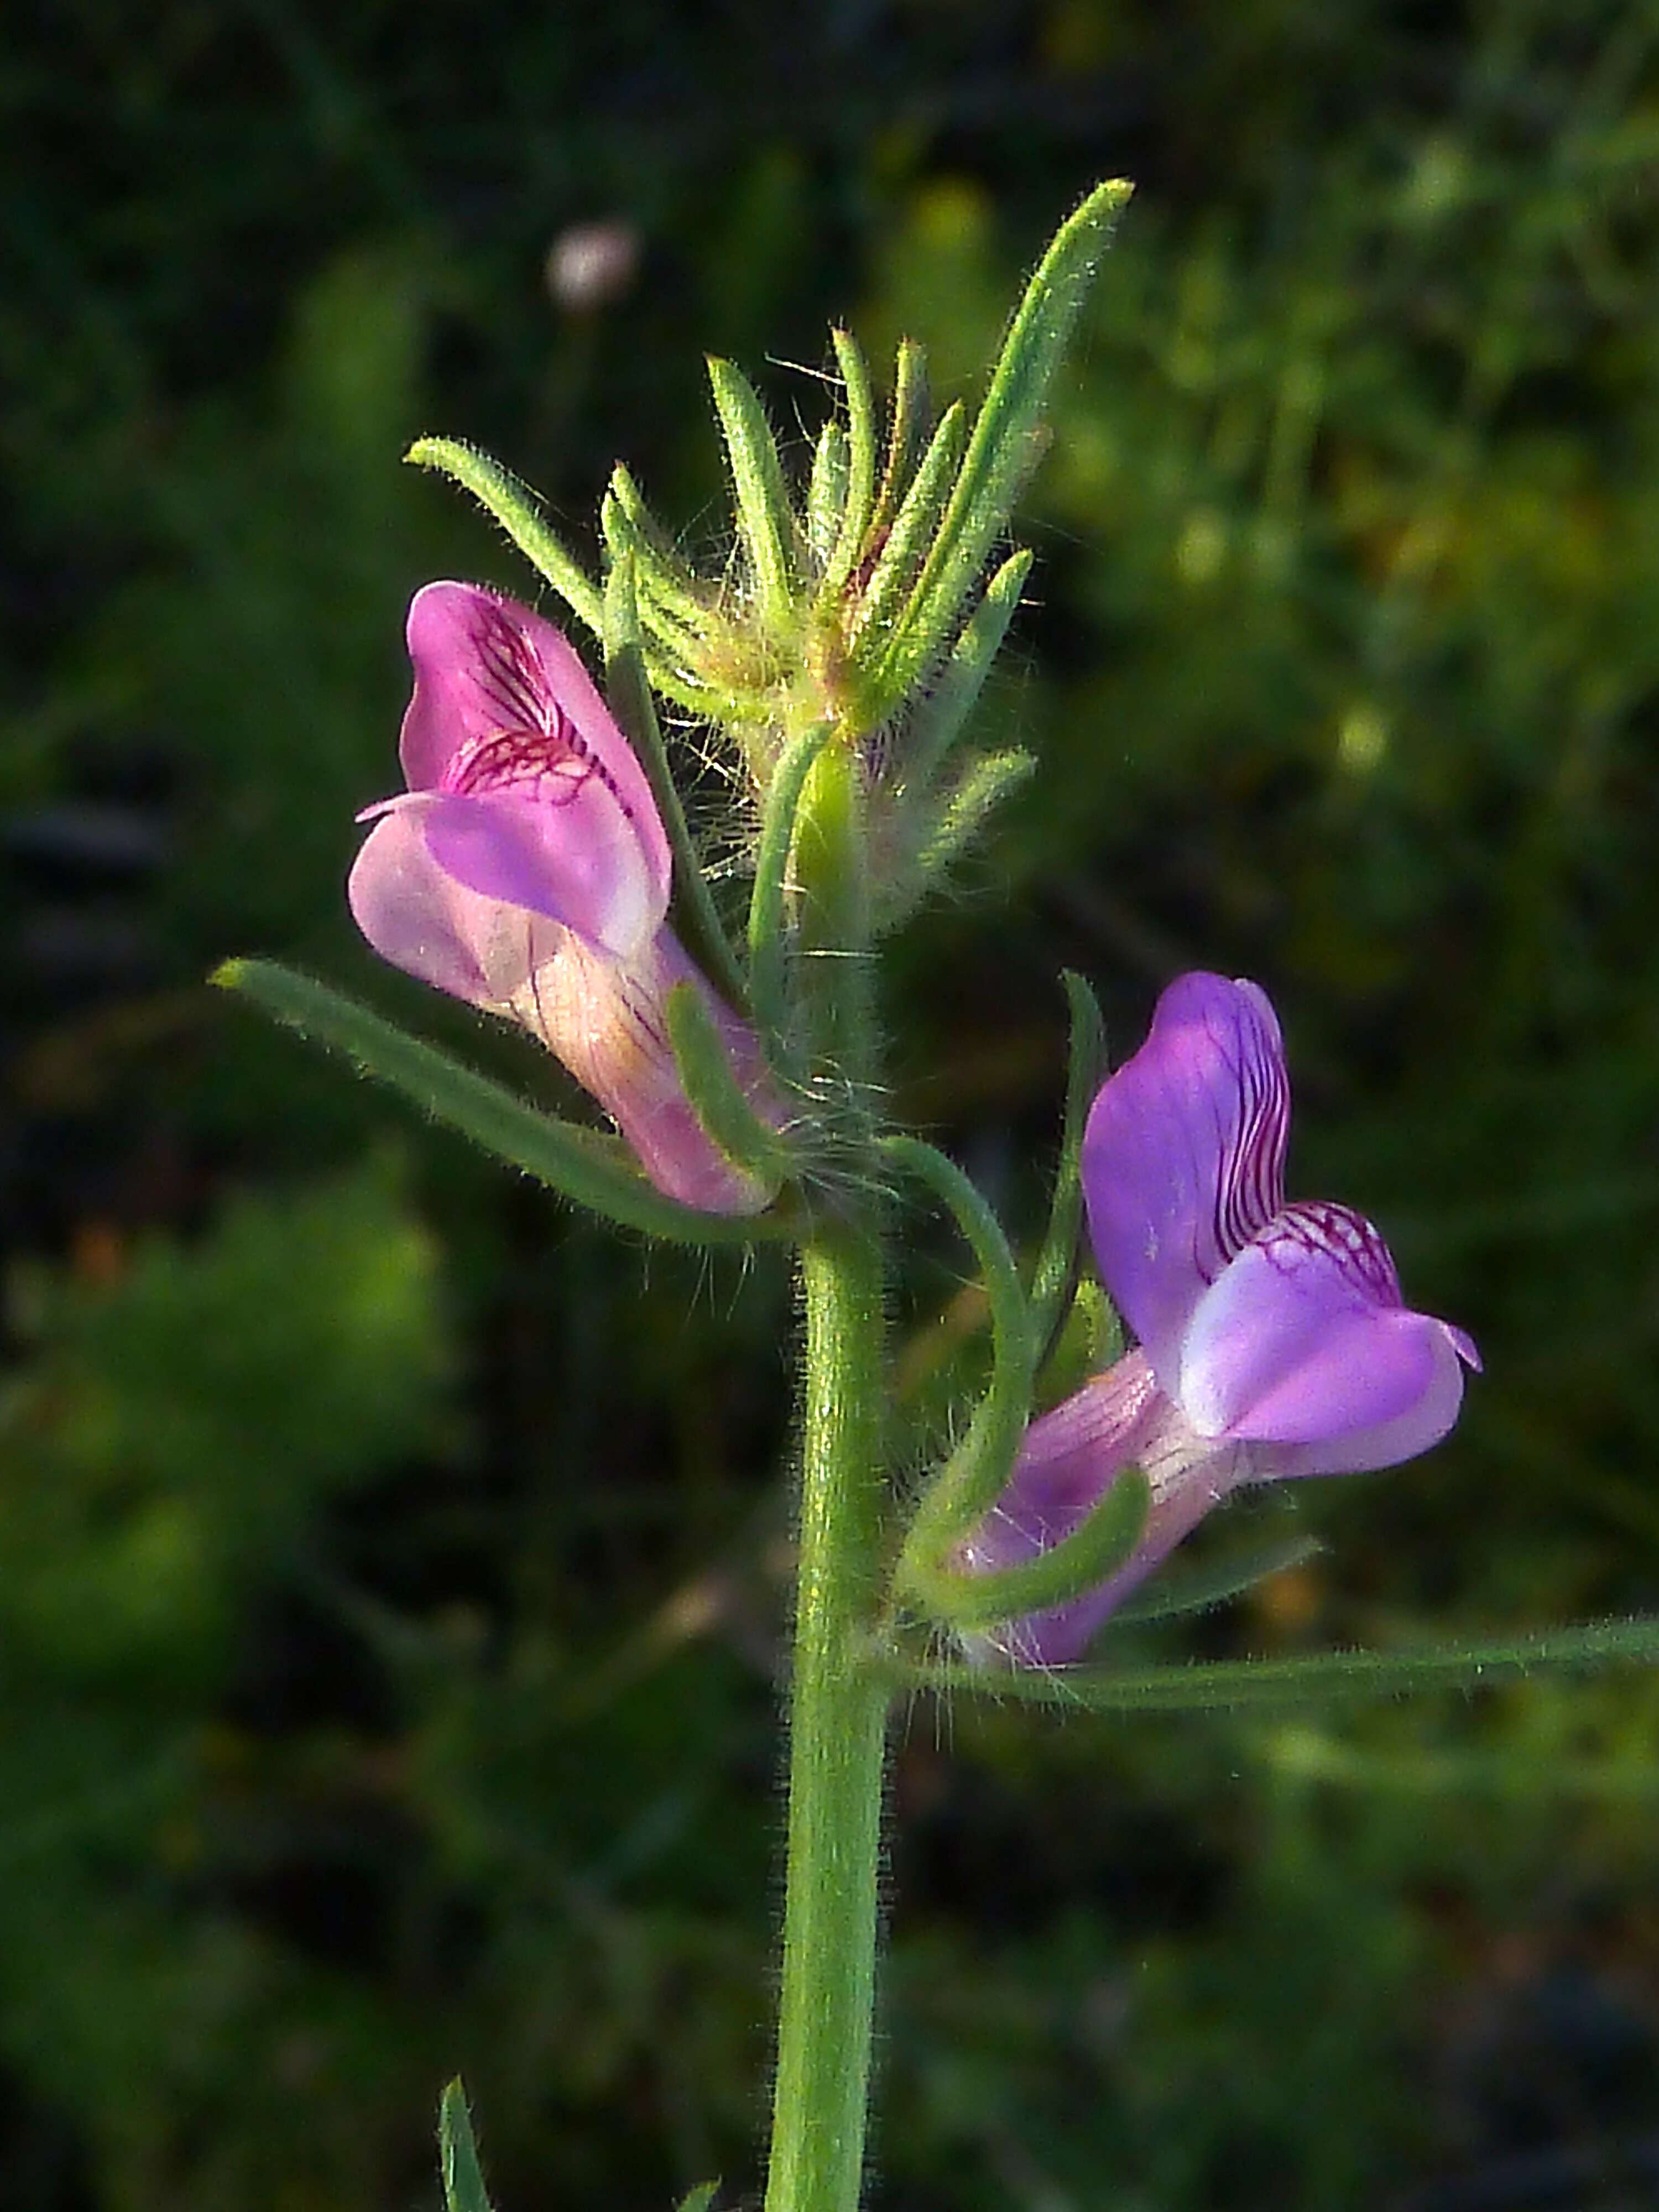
x=838, y=1723
x=838, y=1704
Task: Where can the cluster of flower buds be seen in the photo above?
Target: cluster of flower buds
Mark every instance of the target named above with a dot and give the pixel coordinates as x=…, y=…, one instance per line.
x=539, y=866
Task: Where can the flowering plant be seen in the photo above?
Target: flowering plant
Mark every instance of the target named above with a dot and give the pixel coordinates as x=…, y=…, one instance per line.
x=539, y=866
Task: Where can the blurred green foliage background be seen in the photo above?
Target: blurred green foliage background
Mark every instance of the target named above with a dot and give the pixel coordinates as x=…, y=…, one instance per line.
x=390, y=1565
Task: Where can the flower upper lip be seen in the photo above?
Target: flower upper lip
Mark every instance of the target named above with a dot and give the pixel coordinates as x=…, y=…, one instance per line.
x=525, y=789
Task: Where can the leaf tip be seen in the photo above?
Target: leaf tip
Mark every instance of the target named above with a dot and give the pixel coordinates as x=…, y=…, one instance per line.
x=458, y=2152
x=1111, y=196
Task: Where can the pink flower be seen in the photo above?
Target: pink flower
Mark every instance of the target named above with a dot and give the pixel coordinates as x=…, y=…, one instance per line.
x=1273, y=1339
x=526, y=870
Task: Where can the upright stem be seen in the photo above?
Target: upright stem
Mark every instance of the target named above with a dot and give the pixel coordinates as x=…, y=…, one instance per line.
x=838, y=1716
x=838, y=1708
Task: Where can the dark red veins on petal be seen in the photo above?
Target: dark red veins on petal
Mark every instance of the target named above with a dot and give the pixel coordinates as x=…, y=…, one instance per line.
x=535, y=752
x=506, y=669
x=1341, y=1235
x=1250, y=1186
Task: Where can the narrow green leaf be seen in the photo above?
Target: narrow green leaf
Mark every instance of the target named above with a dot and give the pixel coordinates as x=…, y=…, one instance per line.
x=675, y=677
x=906, y=429
x=1325, y=1678
x=765, y=522
x=826, y=495
x=768, y=905
x=629, y=694
x=900, y=558
x=717, y=1098
x=940, y=719
x=1198, y=1590
x=663, y=609
x=665, y=639
x=673, y=652
x=1055, y=1276
x=1002, y=448
x=1091, y=1555
x=583, y=1165
x=519, y=511
x=985, y=784
x=1088, y=1339
x=700, y=2198
x=629, y=522
x=457, y=2154
x=860, y=463
x=971, y=1479
x=634, y=504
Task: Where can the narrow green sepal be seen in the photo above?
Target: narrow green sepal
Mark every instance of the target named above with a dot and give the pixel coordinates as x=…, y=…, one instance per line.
x=682, y=635
x=906, y=428
x=629, y=692
x=700, y=2198
x=1003, y=447
x=1091, y=1555
x=457, y=2154
x=860, y=462
x=942, y=716
x=672, y=655
x=1324, y=1678
x=769, y=943
x=986, y=784
x=633, y=504
x=1199, y=1589
x=583, y=1165
x=764, y=519
x=1055, y=1275
x=717, y=1098
x=1088, y=1339
x=972, y=1479
x=826, y=493
x=674, y=677
x=899, y=559
x=631, y=533
x=512, y=504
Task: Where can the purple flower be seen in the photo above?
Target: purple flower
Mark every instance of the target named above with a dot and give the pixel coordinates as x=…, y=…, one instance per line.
x=1273, y=1339
x=526, y=870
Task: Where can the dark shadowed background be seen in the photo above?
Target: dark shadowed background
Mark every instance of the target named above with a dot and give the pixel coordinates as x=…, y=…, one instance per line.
x=391, y=1563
